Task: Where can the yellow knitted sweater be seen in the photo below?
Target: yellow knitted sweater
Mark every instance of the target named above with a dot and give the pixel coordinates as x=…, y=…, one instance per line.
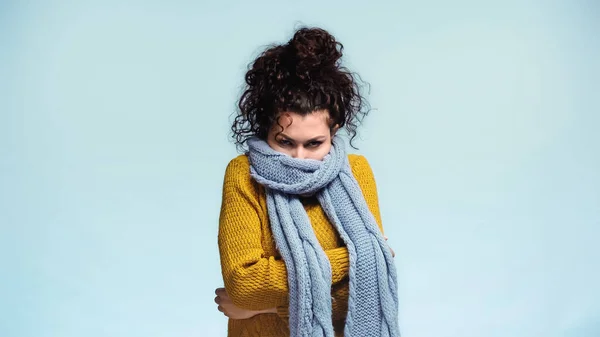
x=253, y=272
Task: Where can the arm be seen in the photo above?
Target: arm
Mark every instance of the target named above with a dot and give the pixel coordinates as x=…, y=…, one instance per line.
x=253, y=280
x=366, y=180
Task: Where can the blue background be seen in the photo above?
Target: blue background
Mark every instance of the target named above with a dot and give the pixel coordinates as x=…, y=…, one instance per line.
x=114, y=122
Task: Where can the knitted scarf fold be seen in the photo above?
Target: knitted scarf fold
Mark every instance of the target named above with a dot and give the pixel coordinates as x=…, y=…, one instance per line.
x=373, y=298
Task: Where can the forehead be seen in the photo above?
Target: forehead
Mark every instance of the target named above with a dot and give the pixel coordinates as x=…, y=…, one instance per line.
x=307, y=126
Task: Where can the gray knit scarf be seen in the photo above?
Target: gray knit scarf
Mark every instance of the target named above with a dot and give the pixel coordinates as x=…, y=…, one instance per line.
x=373, y=299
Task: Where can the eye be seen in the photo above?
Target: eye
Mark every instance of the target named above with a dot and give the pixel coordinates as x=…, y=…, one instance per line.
x=284, y=142
x=314, y=144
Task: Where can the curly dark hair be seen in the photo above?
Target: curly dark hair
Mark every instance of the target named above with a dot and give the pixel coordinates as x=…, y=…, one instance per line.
x=301, y=76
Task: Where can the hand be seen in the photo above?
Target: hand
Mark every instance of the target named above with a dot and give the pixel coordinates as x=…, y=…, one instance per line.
x=393, y=253
x=230, y=310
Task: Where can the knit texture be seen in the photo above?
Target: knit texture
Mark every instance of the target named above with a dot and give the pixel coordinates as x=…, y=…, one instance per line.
x=253, y=272
x=372, y=305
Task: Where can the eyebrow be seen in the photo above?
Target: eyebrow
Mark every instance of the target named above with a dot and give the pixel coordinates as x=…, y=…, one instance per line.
x=317, y=138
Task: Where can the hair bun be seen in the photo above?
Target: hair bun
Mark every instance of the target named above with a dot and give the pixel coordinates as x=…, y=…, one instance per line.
x=314, y=49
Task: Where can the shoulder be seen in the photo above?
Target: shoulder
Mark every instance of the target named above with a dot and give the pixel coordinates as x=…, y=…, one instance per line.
x=237, y=173
x=359, y=164
x=361, y=169
x=366, y=181
x=238, y=165
x=238, y=185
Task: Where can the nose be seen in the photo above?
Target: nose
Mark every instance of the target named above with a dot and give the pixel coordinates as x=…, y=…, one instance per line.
x=299, y=153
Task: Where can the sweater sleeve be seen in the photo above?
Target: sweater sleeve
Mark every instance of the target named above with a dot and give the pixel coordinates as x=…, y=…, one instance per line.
x=252, y=279
x=366, y=180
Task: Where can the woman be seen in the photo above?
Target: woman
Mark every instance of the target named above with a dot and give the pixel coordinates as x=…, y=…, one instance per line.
x=300, y=235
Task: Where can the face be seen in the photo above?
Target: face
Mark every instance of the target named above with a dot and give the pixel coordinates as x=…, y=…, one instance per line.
x=302, y=137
